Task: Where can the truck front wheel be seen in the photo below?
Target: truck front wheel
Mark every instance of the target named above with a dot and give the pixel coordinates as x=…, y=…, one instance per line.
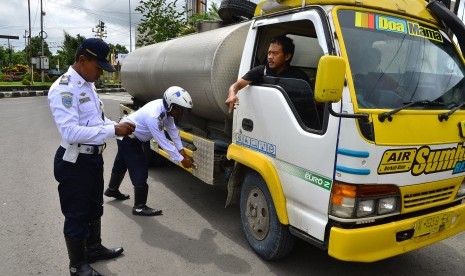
x=266, y=235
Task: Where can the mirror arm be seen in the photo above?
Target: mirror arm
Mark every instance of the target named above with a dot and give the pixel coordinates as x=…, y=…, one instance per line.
x=343, y=115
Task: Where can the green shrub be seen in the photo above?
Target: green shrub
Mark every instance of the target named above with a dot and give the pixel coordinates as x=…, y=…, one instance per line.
x=26, y=82
x=12, y=77
x=37, y=77
x=18, y=69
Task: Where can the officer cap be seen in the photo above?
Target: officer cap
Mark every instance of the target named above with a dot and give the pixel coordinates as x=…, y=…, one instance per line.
x=98, y=49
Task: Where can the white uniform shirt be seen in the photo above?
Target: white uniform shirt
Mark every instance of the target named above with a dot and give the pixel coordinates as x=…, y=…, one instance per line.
x=150, y=121
x=78, y=111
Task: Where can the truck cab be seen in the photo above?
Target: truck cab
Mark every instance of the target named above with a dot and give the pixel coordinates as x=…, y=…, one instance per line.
x=374, y=172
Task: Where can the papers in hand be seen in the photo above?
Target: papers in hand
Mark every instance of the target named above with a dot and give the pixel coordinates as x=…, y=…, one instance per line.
x=125, y=119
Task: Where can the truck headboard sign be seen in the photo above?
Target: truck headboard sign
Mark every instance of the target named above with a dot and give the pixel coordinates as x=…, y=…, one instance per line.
x=392, y=24
x=423, y=160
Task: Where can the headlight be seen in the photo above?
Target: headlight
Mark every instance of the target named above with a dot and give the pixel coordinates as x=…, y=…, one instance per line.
x=461, y=191
x=362, y=201
x=387, y=205
x=365, y=208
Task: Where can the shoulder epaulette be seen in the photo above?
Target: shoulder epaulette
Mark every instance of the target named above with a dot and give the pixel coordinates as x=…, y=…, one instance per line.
x=64, y=79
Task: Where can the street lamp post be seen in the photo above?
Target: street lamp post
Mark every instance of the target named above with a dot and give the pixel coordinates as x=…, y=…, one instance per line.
x=42, y=73
x=9, y=52
x=130, y=35
x=29, y=42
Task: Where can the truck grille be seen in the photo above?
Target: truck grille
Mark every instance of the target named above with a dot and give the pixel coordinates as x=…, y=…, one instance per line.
x=428, y=197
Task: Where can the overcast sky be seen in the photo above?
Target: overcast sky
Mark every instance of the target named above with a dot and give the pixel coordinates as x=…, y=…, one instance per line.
x=74, y=17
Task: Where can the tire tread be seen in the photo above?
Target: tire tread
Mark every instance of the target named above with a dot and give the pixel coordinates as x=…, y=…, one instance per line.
x=284, y=242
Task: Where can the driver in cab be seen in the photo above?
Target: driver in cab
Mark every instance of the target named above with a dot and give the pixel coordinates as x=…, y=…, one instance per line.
x=372, y=85
x=280, y=53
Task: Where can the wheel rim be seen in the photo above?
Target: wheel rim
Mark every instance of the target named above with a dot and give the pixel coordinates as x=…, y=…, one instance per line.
x=257, y=213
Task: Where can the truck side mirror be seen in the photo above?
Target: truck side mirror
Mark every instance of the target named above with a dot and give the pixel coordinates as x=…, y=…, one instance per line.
x=330, y=79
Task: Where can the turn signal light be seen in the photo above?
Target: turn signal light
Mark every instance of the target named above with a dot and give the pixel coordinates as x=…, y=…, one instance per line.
x=362, y=201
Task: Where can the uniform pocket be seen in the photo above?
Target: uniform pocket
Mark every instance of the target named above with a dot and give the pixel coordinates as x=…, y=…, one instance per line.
x=86, y=107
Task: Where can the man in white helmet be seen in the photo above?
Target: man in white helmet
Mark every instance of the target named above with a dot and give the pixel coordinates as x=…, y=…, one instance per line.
x=151, y=120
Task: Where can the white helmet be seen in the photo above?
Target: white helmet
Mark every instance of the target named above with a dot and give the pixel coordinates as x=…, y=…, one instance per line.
x=176, y=95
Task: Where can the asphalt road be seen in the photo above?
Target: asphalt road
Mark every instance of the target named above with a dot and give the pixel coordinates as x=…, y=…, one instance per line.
x=195, y=236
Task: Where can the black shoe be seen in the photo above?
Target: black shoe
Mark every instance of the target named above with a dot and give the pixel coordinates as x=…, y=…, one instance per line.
x=116, y=194
x=99, y=252
x=83, y=269
x=145, y=211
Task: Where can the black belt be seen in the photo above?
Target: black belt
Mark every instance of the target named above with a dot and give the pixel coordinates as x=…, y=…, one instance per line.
x=87, y=149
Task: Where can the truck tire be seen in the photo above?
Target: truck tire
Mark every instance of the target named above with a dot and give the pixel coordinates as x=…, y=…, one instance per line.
x=266, y=235
x=233, y=10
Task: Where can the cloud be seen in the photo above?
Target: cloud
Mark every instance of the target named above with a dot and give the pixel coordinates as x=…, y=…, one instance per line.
x=74, y=17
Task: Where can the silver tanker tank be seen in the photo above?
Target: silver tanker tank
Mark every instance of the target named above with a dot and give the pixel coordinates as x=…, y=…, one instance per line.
x=205, y=64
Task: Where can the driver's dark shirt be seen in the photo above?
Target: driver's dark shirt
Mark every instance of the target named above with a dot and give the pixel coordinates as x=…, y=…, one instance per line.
x=256, y=74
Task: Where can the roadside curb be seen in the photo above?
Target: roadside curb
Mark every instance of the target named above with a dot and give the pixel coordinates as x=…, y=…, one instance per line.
x=16, y=94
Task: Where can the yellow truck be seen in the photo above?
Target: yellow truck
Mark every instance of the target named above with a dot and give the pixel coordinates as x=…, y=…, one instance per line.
x=367, y=161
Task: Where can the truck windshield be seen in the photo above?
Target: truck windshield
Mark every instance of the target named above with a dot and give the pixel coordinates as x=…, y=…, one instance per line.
x=396, y=61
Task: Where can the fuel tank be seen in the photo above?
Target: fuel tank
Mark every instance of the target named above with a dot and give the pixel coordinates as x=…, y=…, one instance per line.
x=205, y=64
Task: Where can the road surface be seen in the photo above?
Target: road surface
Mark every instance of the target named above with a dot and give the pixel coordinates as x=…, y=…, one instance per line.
x=195, y=236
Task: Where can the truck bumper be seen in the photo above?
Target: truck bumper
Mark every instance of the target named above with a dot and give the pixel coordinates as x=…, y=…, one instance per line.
x=379, y=242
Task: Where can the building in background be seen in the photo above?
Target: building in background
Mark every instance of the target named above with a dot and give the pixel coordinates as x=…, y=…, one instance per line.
x=196, y=6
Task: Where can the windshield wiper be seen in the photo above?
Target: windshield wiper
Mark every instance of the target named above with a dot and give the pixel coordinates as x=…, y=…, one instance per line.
x=445, y=116
x=388, y=115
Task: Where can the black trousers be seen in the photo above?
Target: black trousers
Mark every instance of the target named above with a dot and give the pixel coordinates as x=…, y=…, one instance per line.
x=130, y=157
x=81, y=192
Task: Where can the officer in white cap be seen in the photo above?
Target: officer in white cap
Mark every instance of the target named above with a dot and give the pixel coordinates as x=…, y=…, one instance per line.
x=151, y=120
x=78, y=164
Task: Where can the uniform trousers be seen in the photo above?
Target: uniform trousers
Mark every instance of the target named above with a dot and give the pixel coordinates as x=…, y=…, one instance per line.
x=131, y=157
x=81, y=192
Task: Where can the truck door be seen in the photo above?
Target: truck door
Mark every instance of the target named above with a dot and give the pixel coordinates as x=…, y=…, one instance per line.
x=279, y=118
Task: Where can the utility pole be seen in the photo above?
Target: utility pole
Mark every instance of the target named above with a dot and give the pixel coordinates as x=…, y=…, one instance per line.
x=25, y=38
x=9, y=51
x=42, y=73
x=29, y=62
x=25, y=42
x=130, y=35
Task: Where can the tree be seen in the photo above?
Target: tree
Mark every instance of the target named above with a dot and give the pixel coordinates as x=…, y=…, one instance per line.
x=3, y=57
x=115, y=50
x=19, y=57
x=118, y=49
x=191, y=26
x=68, y=51
x=160, y=21
x=36, y=48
